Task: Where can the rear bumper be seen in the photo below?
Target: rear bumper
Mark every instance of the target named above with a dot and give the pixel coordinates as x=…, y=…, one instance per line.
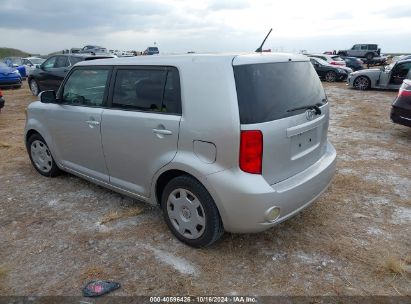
x=401, y=116
x=244, y=199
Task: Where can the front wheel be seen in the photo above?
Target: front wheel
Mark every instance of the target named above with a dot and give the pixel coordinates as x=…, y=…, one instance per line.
x=331, y=76
x=190, y=212
x=361, y=83
x=34, y=87
x=41, y=157
x=369, y=56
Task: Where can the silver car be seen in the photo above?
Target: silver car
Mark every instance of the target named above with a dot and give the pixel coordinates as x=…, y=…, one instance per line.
x=232, y=143
x=389, y=77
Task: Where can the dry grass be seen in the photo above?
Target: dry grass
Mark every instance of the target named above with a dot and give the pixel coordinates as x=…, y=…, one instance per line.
x=95, y=272
x=395, y=265
x=120, y=214
x=3, y=272
x=4, y=145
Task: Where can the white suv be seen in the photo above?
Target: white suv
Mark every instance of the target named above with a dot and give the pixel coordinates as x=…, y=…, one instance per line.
x=221, y=142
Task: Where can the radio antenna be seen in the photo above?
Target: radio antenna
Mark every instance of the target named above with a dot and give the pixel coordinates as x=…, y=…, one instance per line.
x=260, y=49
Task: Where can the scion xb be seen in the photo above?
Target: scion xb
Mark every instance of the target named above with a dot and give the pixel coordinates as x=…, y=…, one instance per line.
x=233, y=142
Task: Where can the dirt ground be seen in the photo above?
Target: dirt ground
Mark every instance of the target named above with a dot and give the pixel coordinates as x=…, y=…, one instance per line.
x=56, y=234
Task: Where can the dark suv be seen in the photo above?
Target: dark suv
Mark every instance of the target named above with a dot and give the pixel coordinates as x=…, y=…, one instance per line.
x=51, y=73
x=151, y=50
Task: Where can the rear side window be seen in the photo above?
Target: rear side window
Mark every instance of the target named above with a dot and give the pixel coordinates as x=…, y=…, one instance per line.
x=75, y=60
x=147, y=90
x=85, y=87
x=61, y=62
x=271, y=91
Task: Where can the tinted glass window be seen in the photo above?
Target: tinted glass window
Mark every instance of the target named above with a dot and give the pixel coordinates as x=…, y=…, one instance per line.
x=74, y=60
x=364, y=47
x=85, y=87
x=139, y=90
x=372, y=47
x=49, y=63
x=271, y=91
x=61, y=62
x=172, y=98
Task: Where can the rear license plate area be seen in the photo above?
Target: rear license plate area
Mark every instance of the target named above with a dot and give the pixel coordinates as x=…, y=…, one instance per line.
x=304, y=143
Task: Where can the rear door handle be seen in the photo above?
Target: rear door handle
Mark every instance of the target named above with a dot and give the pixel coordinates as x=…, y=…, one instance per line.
x=162, y=131
x=93, y=122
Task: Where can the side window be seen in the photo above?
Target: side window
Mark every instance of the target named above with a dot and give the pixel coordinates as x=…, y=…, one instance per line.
x=85, y=87
x=364, y=47
x=137, y=89
x=356, y=47
x=172, y=95
x=75, y=60
x=49, y=63
x=61, y=62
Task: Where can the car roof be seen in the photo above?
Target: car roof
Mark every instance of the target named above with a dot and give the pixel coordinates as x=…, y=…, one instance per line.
x=176, y=60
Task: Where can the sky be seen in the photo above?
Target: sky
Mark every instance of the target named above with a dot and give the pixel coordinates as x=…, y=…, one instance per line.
x=178, y=26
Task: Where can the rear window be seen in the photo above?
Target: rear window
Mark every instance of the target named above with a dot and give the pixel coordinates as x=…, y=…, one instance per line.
x=270, y=91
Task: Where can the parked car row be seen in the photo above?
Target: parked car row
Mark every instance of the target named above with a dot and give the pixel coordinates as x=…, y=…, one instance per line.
x=329, y=72
x=9, y=76
x=50, y=74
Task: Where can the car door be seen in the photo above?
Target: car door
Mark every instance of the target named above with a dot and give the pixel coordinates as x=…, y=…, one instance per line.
x=140, y=129
x=75, y=121
x=318, y=67
x=61, y=67
x=44, y=74
x=398, y=73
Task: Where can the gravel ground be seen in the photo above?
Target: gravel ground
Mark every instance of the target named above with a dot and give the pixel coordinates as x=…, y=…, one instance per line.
x=56, y=234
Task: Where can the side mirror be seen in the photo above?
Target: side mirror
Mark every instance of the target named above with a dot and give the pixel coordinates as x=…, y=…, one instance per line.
x=48, y=97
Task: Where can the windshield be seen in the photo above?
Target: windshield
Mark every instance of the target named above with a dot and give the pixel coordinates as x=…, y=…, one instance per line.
x=36, y=60
x=267, y=91
x=337, y=58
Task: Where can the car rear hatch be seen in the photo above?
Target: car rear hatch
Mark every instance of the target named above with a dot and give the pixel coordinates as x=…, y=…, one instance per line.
x=287, y=103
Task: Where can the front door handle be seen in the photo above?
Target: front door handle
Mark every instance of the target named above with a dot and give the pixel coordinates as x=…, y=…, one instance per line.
x=162, y=131
x=92, y=123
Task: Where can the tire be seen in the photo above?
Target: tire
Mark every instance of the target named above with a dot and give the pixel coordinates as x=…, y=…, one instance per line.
x=331, y=76
x=40, y=156
x=362, y=83
x=34, y=87
x=369, y=56
x=190, y=212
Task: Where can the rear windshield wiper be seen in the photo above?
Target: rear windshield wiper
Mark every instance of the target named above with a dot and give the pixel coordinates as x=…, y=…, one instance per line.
x=308, y=107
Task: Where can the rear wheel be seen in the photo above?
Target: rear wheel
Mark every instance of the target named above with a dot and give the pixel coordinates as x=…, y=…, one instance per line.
x=34, y=87
x=331, y=76
x=190, y=212
x=41, y=157
x=369, y=56
x=362, y=83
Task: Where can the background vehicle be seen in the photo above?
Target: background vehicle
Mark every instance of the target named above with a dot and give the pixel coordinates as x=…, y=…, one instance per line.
x=401, y=107
x=331, y=59
x=50, y=74
x=93, y=49
x=17, y=63
x=205, y=180
x=9, y=77
x=2, y=102
x=401, y=57
x=151, y=50
x=329, y=72
x=353, y=63
x=368, y=51
x=389, y=77
x=31, y=63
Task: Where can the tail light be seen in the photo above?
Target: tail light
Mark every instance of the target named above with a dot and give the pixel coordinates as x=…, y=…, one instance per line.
x=251, y=151
x=404, y=93
x=1, y=93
